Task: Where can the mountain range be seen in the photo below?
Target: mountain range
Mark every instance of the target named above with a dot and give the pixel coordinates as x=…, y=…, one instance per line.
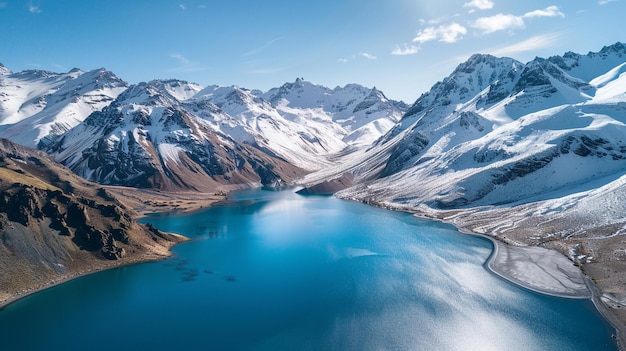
x=529, y=153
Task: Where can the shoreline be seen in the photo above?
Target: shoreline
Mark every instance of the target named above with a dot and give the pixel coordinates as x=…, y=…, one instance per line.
x=559, y=273
x=577, y=292
x=591, y=291
x=506, y=261
x=71, y=276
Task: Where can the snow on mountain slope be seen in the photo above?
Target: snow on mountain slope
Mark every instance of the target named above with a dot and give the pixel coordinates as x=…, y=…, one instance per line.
x=611, y=86
x=594, y=64
x=301, y=122
x=36, y=105
x=498, y=132
x=4, y=70
x=146, y=138
x=303, y=137
x=537, y=154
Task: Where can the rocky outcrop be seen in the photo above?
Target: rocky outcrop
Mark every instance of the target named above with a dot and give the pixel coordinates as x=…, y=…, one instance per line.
x=93, y=226
x=54, y=225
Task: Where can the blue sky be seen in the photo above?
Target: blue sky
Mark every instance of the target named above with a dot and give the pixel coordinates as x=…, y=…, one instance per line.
x=400, y=46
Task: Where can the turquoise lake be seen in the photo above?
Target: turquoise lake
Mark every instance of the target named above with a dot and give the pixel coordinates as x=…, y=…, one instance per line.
x=273, y=270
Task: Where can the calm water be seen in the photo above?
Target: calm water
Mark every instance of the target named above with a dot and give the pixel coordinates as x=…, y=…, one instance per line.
x=277, y=271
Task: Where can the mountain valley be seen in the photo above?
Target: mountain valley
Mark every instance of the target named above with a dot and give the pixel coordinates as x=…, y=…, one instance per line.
x=531, y=154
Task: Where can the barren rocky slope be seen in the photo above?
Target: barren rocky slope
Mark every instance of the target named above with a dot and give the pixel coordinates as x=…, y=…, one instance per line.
x=55, y=225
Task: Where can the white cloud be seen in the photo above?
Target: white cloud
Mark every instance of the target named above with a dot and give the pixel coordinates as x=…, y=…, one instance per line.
x=550, y=11
x=498, y=22
x=406, y=49
x=479, y=4
x=33, y=8
x=367, y=56
x=447, y=34
x=434, y=21
x=502, y=22
x=182, y=6
x=356, y=56
x=531, y=44
x=604, y=2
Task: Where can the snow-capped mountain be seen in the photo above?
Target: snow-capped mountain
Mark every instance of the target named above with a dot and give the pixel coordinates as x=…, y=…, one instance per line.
x=301, y=122
x=4, y=70
x=131, y=140
x=147, y=138
x=500, y=132
x=38, y=105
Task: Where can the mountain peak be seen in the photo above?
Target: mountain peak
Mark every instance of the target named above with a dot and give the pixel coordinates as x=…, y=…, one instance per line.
x=4, y=70
x=466, y=81
x=618, y=48
x=471, y=63
x=593, y=64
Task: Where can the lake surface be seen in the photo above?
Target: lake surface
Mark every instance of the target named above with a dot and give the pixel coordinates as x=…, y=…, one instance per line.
x=278, y=271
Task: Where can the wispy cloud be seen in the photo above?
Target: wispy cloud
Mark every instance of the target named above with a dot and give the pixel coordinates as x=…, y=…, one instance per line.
x=502, y=22
x=181, y=58
x=450, y=33
x=182, y=6
x=406, y=49
x=531, y=44
x=185, y=65
x=479, y=4
x=33, y=8
x=550, y=11
x=367, y=56
x=356, y=56
x=434, y=21
x=3, y=5
x=604, y=2
x=262, y=47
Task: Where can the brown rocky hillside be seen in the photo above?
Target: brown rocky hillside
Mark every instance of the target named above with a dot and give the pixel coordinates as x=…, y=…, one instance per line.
x=55, y=225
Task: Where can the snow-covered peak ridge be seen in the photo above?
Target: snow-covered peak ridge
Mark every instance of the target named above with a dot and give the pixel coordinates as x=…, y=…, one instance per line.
x=160, y=91
x=4, y=70
x=36, y=104
x=593, y=64
x=232, y=99
x=468, y=80
x=540, y=71
x=154, y=136
x=301, y=93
